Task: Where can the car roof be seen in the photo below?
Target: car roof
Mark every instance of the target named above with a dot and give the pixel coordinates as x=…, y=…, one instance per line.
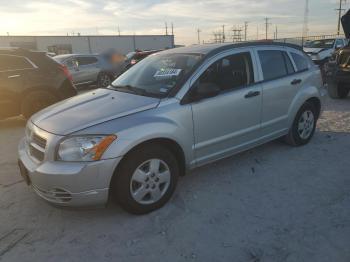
x=212, y=49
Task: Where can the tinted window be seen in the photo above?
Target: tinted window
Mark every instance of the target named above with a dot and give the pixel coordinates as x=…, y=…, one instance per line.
x=86, y=60
x=275, y=64
x=8, y=62
x=230, y=72
x=300, y=61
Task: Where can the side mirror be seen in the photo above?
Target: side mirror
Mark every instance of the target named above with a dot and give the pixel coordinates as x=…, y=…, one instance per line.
x=205, y=90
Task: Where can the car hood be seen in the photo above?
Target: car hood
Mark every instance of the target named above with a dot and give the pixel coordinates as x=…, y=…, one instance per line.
x=90, y=109
x=314, y=50
x=345, y=20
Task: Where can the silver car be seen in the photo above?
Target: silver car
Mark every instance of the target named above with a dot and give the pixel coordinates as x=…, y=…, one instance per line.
x=90, y=70
x=174, y=111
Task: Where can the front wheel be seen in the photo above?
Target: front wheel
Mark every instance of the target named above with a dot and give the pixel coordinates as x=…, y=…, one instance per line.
x=146, y=179
x=104, y=80
x=303, y=127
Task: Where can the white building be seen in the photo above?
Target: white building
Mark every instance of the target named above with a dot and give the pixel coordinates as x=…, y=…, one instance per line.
x=89, y=44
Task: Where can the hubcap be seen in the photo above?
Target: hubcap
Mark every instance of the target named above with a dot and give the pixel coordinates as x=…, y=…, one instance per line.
x=150, y=181
x=306, y=124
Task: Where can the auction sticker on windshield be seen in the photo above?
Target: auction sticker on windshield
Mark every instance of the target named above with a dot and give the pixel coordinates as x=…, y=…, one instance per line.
x=167, y=73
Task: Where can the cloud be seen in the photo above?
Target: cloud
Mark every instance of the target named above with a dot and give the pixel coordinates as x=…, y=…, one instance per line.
x=148, y=17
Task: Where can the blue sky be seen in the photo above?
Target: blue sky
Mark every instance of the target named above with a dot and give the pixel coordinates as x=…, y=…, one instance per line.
x=147, y=17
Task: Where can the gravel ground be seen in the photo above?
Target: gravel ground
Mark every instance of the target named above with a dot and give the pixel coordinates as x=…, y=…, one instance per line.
x=273, y=203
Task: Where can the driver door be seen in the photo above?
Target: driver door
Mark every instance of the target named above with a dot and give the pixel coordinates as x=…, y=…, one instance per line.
x=230, y=121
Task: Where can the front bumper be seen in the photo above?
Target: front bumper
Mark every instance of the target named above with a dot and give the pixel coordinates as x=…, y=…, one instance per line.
x=69, y=183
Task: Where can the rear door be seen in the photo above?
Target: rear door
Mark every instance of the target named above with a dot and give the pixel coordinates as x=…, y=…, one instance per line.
x=13, y=70
x=280, y=83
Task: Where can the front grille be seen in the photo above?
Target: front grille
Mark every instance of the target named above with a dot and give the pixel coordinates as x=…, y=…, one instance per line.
x=57, y=194
x=36, y=153
x=39, y=140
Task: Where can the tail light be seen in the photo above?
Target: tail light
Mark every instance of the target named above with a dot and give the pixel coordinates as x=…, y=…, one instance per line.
x=66, y=72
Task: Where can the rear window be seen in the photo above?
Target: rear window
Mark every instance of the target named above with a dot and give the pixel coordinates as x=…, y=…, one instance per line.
x=300, y=61
x=275, y=64
x=11, y=62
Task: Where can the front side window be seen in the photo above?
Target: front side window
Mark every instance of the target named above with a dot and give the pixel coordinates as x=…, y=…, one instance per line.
x=339, y=43
x=156, y=75
x=11, y=62
x=230, y=72
x=300, y=61
x=275, y=64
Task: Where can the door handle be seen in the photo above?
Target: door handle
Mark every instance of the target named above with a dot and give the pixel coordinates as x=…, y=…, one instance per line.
x=252, y=94
x=296, y=82
x=13, y=76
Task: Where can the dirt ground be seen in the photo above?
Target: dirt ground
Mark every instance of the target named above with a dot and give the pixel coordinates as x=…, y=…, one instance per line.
x=273, y=203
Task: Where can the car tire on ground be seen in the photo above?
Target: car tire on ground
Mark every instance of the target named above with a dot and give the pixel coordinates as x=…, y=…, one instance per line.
x=104, y=80
x=303, y=127
x=35, y=101
x=338, y=91
x=145, y=180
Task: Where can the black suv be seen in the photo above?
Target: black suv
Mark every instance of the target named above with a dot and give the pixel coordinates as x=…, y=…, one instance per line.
x=31, y=81
x=338, y=68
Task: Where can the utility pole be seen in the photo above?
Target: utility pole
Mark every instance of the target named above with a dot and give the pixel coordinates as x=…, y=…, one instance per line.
x=118, y=30
x=276, y=33
x=306, y=19
x=340, y=9
x=245, y=30
x=223, y=34
x=172, y=28
x=199, y=36
x=257, y=32
x=266, y=27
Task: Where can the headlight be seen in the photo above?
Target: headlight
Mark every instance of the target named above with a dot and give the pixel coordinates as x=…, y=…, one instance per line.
x=84, y=148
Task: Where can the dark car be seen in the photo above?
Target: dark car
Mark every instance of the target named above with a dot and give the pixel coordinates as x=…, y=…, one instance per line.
x=338, y=67
x=31, y=81
x=133, y=58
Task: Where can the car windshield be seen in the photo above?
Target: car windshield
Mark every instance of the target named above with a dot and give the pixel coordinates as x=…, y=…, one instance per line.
x=326, y=43
x=157, y=74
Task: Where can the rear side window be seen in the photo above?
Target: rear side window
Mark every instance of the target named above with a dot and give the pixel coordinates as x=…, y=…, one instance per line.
x=275, y=64
x=300, y=61
x=86, y=60
x=10, y=62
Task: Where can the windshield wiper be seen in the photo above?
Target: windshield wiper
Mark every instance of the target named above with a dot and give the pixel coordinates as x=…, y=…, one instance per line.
x=133, y=90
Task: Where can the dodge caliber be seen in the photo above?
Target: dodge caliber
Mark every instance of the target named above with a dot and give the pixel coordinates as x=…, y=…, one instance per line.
x=174, y=111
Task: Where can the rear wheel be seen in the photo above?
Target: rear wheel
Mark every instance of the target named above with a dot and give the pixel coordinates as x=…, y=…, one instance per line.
x=146, y=179
x=35, y=101
x=338, y=91
x=303, y=127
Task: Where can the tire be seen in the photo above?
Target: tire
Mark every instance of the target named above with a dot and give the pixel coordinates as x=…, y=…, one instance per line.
x=338, y=91
x=134, y=185
x=301, y=132
x=104, y=80
x=36, y=101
